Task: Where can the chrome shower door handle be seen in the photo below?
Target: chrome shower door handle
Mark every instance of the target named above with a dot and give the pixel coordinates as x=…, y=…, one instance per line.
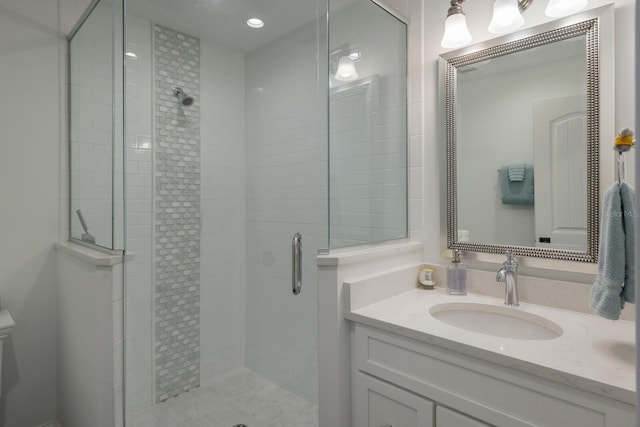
x=296, y=263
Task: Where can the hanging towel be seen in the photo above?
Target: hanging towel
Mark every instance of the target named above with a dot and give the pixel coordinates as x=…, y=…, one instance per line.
x=516, y=172
x=517, y=192
x=614, y=282
x=628, y=199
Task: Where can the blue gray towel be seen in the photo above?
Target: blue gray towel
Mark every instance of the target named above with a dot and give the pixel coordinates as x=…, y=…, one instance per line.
x=517, y=192
x=614, y=284
x=628, y=197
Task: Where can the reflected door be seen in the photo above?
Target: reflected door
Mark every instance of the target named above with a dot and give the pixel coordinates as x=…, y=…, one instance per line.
x=560, y=137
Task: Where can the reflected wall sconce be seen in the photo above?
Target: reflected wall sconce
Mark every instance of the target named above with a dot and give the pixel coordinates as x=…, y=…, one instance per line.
x=343, y=63
x=507, y=17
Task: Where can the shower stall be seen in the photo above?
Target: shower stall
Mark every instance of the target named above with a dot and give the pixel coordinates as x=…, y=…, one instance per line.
x=241, y=138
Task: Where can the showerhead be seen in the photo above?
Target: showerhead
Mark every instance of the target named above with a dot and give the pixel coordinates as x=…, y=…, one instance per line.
x=183, y=98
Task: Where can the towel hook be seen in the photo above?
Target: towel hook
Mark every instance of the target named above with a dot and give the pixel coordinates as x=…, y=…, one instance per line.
x=623, y=143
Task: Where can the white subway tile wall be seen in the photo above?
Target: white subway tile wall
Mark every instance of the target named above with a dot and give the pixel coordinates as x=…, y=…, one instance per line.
x=223, y=203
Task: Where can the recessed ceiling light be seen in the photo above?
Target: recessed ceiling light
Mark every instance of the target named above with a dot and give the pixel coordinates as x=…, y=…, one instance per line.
x=255, y=23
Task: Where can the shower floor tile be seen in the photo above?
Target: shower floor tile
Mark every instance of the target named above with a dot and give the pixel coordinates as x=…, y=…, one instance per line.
x=241, y=397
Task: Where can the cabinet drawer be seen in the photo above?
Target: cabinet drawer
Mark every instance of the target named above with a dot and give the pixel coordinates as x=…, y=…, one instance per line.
x=448, y=418
x=378, y=404
x=497, y=395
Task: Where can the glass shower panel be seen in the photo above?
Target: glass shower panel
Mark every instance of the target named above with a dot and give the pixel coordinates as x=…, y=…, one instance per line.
x=216, y=190
x=367, y=125
x=95, y=127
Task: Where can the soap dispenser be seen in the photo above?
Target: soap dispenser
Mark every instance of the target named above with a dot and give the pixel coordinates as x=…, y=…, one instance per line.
x=456, y=276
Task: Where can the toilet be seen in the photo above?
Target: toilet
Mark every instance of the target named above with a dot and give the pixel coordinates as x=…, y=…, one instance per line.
x=6, y=324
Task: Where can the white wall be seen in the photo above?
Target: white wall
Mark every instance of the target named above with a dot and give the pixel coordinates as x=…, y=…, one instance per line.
x=30, y=117
x=89, y=343
x=478, y=16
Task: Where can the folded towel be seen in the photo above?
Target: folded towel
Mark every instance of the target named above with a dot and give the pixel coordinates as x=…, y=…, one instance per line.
x=615, y=268
x=518, y=192
x=516, y=172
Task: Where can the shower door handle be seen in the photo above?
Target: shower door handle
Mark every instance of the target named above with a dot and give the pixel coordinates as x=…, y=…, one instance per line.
x=296, y=263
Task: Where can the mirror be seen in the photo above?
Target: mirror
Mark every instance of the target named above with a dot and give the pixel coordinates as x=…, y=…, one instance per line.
x=522, y=132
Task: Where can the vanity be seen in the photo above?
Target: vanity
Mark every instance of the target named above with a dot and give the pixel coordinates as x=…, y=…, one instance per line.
x=425, y=358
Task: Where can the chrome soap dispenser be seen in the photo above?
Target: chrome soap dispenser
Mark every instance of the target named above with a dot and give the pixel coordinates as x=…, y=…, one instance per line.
x=456, y=276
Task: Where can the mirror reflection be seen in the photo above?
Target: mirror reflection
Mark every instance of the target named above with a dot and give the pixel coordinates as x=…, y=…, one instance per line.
x=521, y=145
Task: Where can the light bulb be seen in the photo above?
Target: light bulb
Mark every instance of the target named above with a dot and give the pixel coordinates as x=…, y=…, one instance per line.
x=560, y=8
x=456, y=33
x=506, y=17
x=255, y=23
x=346, y=71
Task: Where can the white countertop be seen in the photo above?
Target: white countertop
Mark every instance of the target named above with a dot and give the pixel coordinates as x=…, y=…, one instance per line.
x=93, y=256
x=592, y=354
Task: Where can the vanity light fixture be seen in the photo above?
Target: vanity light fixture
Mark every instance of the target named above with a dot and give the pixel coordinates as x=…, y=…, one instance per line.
x=507, y=17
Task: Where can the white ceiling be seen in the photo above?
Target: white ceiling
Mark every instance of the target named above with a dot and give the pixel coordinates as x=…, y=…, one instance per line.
x=224, y=21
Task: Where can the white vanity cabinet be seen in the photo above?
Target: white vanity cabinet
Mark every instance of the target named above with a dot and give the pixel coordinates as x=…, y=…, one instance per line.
x=379, y=404
x=402, y=382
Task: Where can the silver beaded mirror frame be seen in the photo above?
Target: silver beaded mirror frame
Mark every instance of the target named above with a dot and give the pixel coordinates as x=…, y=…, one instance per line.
x=584, y=24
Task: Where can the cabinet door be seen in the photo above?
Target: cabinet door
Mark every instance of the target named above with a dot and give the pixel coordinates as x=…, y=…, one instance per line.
x=448, y=418
x=379, y=404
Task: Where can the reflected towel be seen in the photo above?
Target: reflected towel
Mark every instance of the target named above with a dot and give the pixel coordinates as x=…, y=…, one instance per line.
x=518, y=192
x=614, y=283
x=516, y=172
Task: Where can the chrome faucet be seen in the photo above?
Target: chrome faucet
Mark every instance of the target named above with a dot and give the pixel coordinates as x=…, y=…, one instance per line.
x=509, y=275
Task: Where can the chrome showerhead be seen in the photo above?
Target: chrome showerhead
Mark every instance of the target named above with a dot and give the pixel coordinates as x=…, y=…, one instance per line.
x=184, y=99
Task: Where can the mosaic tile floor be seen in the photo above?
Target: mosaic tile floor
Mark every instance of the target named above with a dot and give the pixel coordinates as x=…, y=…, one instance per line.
x=242, y=397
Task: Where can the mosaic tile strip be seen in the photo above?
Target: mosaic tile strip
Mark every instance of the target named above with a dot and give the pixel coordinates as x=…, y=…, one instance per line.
x=177, y=215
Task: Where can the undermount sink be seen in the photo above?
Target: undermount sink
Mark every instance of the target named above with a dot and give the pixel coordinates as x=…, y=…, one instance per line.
x=506, y=322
